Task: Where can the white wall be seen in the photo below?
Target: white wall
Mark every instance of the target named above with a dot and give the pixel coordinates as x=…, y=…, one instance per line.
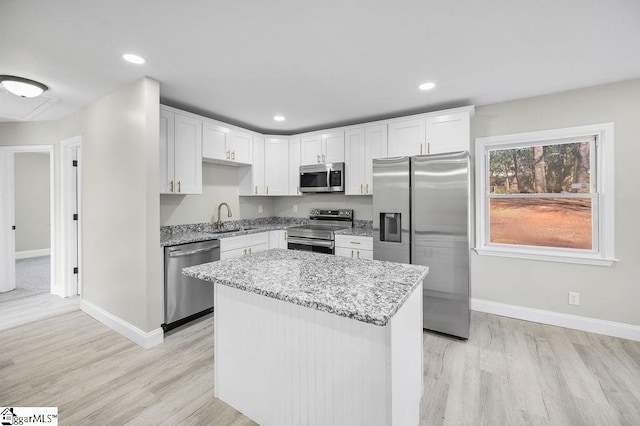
x=122, y=259
x=32, y=189
x=219, y=184
x=607, y=293
x=362, y=206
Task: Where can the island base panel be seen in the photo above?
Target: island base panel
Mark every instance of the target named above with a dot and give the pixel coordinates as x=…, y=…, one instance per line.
x=283, y=364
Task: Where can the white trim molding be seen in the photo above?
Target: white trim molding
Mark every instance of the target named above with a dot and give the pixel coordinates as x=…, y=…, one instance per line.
x=27, y=254
x=592, y=325
x=145, y=339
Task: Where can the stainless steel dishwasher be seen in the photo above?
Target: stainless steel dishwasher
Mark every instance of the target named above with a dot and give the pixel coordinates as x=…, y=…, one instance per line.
x=185, y=298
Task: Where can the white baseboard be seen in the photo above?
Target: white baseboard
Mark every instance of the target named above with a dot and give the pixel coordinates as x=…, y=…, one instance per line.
x=33, y=253
x=131, y=332
x=592, y=325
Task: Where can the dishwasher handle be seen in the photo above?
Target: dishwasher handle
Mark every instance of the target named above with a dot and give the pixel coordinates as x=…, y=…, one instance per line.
x=179, y=253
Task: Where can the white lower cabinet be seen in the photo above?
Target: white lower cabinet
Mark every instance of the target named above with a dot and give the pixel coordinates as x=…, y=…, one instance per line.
x=243, y=244
x=278, y=239
x=352, y=246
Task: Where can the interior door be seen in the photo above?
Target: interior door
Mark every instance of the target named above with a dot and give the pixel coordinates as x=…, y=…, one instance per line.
x=7, y=222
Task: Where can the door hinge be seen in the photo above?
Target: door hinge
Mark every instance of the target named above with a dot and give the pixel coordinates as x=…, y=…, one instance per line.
x=75, y=163
x=75, y=216
x=75, y=270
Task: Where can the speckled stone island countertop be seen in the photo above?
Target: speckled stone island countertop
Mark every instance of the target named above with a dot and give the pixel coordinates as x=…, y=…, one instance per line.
x=370, y=291
x=184, y=234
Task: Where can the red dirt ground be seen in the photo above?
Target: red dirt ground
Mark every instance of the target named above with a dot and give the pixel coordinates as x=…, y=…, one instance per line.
x=560, y=222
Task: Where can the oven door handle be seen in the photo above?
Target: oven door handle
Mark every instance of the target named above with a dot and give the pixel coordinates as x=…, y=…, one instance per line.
x=308, y=242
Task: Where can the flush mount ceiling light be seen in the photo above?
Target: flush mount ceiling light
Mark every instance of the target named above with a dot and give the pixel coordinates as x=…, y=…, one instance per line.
x=134, y=59
x=427, y=86
x=279, y=117
x=22, y=87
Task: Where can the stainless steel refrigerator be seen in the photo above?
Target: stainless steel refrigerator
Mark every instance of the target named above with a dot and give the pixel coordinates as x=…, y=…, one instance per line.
x=421, y=216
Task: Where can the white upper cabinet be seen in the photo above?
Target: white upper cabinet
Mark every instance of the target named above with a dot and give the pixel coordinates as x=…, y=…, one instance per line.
x=240, y=147
x=215, y=140
x=361, y=147
x=354, y=161
x=322, y=148
x=167, y=146
x=311, y=149
x=294, y=166
x=407, y=137
x=433, y=133
x=276, y=175
x=333, y=147
x=257, y=170
x=221, y=143
x=375, y=147
x=448, y=132
x=180, y=153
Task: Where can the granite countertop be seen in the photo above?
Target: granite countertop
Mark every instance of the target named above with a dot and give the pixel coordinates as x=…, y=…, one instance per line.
x=184, y=234
x=356, y=232
x=370, y=291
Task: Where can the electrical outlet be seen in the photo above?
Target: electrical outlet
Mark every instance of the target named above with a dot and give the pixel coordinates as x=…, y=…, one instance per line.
x=295, y=208
x=574, y=298
x=259, y=209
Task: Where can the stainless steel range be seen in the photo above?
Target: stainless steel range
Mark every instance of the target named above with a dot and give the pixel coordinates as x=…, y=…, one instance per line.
x=318, y=235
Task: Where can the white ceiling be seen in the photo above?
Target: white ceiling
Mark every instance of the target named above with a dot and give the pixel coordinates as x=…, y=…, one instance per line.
x=320, y=63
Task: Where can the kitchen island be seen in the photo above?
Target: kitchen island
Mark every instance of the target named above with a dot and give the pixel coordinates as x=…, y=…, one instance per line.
x=305, y=338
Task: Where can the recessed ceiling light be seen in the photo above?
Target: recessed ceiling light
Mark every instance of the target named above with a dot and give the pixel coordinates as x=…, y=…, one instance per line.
x=427, y=86
x=134, y=59
x=279, y=118
x=22, y=87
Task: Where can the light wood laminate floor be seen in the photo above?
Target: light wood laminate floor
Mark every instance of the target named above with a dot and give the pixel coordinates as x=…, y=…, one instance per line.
x=510, y=372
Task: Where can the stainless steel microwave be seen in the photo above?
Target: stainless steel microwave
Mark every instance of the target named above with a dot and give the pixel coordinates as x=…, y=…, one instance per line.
x=322, y=178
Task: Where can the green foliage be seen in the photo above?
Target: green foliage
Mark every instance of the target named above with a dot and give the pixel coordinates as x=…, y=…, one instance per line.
x=512, y=171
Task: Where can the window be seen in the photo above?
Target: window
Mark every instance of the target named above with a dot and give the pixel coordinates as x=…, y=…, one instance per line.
x=547, y=195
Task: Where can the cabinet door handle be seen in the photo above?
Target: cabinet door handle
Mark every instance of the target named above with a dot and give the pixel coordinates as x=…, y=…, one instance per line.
x=354, y=242
x=267, y=189
x=256, y=190
x=420, y=149
x=428, y=147
x=366, y=188
x=323, y=159
x=351, y=253
x=249, y=250
x=361, y=186
x=227, y=154
x=298, y=189
x=285, y=235
x=358, y=251
x=245, y=251
x=171, y=186
x=233, y=155
x=179, y=187
x=318, y=158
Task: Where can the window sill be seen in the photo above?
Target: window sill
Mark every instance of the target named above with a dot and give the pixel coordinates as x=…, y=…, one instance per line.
x=546, y=256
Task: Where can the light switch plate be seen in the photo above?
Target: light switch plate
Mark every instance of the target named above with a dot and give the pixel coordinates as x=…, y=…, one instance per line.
x=259, y=209
x=574, y=298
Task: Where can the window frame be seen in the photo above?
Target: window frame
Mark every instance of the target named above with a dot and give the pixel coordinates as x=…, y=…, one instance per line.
x=602, y=190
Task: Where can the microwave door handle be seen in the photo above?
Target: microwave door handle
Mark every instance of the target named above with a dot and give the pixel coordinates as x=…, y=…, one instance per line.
x=328, y=179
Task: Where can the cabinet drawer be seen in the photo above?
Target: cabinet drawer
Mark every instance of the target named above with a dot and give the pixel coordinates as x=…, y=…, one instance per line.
x=256, y=239
x=228, y=254
x=353, y=242
x=232, y=243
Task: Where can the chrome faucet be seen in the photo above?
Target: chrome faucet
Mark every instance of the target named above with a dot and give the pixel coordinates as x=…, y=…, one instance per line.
x=219, y=222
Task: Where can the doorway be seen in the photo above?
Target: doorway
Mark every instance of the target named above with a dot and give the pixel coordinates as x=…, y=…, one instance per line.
x=27, y=218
